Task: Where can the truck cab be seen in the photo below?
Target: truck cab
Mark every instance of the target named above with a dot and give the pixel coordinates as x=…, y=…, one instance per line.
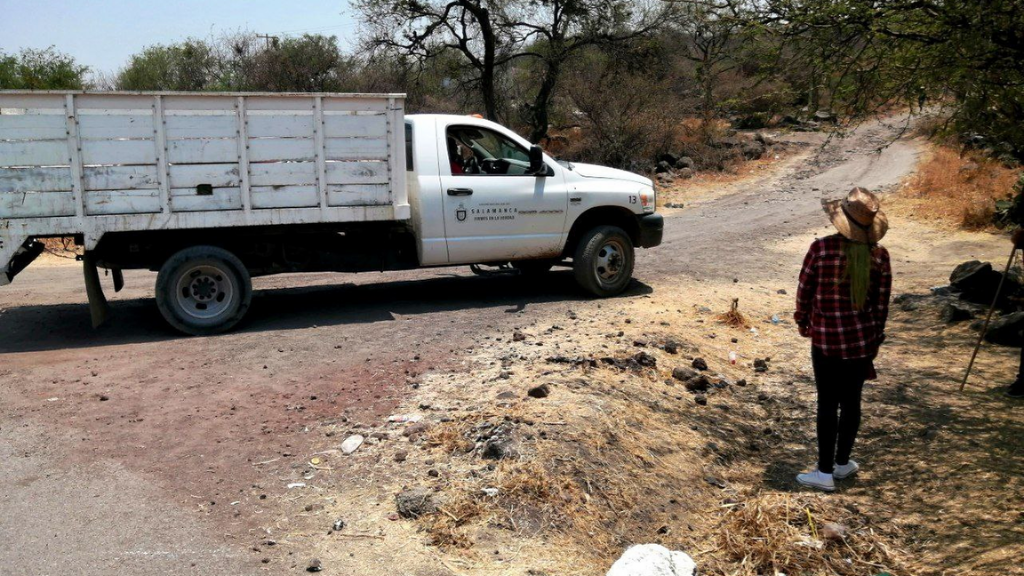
x=480, y=193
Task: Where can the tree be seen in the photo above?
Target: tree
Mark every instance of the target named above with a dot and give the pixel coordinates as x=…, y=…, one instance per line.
x=41, y=70
x=493, y=35
x=874, y=53
x=192, y=65
x=309, y=63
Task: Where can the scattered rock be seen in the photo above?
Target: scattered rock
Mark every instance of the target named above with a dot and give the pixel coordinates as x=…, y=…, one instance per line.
x=978, y=282
x=760, y=365
x=653, y=560
x=542, y=391
x=314, y=566
x=701, y=399
x=782, y=291
x=338, y=525
x=416, y=502
x=578, y=361
x=416, y=429
x=401, y=456
x=698, y=384
x=700, y=364
x=741, y=382
x=104, y=398
x=506, y=395
x=500, y=447
x=352, y=443
x=832, y=532
x=662, y=167
x=644, y=359
x=518, y=336
x=674, y=205
x=1006, y=330
x=684, y=373
x=671, y=346
x=954, y=312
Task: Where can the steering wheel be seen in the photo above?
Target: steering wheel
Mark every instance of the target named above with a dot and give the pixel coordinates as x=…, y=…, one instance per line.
x=491, y=166
x=471, y=165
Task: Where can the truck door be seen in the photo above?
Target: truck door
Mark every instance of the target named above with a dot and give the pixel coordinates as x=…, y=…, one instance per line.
x=493, y=209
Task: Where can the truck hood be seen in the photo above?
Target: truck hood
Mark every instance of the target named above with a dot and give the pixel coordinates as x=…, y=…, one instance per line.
x=595, y=171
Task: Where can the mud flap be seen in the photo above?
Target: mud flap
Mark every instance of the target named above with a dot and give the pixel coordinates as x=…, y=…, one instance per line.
x=98, y=307
x=25, y=255
x=118, y=277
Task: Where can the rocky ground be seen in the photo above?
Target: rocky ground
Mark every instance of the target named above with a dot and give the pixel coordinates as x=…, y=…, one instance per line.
x=543, y=432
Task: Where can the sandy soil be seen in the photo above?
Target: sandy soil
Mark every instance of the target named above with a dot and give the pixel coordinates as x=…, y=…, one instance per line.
x=133, y=448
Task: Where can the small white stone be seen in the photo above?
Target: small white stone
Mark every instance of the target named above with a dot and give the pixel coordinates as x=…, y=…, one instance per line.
x=352, y=443
x=653, y=560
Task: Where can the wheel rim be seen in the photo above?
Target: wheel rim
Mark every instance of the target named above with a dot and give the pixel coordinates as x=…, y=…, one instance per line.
x=205, y=292
x=610, y=262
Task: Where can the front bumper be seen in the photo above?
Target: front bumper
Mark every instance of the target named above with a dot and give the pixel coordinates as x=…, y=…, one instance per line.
x=652, y=226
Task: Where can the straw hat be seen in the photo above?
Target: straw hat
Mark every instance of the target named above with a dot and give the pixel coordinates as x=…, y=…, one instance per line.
x=858, y=216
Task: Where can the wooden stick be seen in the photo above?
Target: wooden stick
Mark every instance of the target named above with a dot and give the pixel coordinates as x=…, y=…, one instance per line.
x=988, y=317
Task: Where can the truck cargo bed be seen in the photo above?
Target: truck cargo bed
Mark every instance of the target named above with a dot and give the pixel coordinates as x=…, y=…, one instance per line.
x=89, y=163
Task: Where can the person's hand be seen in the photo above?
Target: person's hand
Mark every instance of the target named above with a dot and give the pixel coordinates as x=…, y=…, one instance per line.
x=805, y=330
x=1018, y=238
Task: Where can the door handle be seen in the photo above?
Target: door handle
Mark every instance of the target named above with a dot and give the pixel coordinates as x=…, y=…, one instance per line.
x=460, y=191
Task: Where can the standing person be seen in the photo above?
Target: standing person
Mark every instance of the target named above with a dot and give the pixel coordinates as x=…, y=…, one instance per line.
x=842, y=305
x=1016, y=390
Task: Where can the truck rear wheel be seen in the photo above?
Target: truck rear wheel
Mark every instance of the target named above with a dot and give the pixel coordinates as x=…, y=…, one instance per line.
x=603, y=263
x=203, y=290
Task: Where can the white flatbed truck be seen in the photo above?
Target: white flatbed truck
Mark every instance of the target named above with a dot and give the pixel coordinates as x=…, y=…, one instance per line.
x=212, y=189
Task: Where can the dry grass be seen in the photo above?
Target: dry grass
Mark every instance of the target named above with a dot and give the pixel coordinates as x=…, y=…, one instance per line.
x=960, y=191
x=734, y=318
x=771, y=533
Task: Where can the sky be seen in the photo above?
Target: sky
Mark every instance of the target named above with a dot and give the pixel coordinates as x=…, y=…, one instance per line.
x=102, y=35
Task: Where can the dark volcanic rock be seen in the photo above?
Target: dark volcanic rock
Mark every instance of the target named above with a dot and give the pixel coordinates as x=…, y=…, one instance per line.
x=645, y=359
x=542, y=391
x=1006, y=330
x=956, y=312
x=684, y=373
x=698, y=384
x=416, y=502
x=700, y=364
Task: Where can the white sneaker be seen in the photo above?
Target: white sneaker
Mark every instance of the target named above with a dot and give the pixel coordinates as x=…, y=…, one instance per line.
x=817, y=479
x=840, y=472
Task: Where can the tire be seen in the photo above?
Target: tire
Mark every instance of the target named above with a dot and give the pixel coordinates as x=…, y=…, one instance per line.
x=603, y=263
x=203, y=290
x=533, y=267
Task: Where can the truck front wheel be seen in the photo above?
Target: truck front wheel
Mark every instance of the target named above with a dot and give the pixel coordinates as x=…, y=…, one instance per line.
x=603, y=263
x=203, y=290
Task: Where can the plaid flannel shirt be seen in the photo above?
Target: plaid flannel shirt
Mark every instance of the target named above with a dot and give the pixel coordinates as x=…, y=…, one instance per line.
x=823, y=301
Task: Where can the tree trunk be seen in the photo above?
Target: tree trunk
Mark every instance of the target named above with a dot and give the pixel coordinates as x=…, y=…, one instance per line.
x=542, y=102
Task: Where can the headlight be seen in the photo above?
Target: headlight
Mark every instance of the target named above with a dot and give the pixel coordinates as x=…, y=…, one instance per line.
x=648, y=199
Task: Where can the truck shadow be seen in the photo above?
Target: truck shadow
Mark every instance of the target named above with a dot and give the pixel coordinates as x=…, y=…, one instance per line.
x=66, y=326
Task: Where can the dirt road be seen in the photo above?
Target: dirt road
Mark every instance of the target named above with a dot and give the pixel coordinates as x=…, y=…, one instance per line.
x=131, y=448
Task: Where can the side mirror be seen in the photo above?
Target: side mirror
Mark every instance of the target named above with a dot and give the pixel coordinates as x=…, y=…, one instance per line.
x=537, y=165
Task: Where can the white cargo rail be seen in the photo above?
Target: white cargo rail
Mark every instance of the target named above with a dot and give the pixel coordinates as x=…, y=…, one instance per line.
x=89, y=163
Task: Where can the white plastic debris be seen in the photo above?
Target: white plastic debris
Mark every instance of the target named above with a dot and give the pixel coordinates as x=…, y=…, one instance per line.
x=297, y=485
x=653, y=560
x=352, y=443
x=492, y=492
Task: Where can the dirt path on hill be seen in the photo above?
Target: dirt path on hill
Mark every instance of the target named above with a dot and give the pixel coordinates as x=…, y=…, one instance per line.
x=133, y=448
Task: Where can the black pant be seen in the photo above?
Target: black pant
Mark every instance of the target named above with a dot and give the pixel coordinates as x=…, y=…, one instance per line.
x=839, y=384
